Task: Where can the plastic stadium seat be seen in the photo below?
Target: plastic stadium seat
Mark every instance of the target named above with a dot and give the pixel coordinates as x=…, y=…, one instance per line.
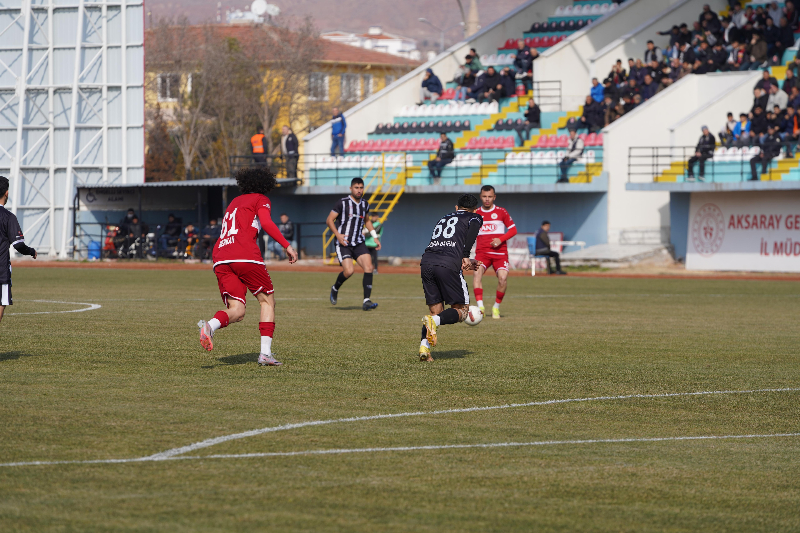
x=599, y=141
x=402, y=146
x=560, y=11
x=591, y=139
x=562, y=26
x=534, y=42
x=352, y=147
x=482, y=143
x=568, y=11
x=579, y=24
x=604, y=8
x=535, y=28
x=500, y=125
x=562, y=141
x=510, y=142
x=369, y=147
x=529, y=42
x=510, y=44
x=596, y=9
x=570, y=25
x=466, y=125
x=552, y=26
x=542, y=142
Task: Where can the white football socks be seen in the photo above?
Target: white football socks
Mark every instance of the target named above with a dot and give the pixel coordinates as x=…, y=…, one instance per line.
x=437, y=320
x=425, y=343
x=496, y=305
x=480, y=303
x=215, y=325
x=266, y=345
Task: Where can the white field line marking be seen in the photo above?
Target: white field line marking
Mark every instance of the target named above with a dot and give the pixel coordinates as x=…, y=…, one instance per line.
x=338, y=451
x=91, y=307
x=252, y=433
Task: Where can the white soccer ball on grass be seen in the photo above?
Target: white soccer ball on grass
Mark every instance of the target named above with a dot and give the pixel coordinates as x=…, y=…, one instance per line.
x=474, y=316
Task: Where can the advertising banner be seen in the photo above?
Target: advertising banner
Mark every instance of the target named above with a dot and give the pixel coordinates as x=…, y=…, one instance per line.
x=757, y=231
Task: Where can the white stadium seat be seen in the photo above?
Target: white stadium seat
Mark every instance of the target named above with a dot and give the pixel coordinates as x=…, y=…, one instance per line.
x=596, y=9
x=559, y=11
x=604, y=8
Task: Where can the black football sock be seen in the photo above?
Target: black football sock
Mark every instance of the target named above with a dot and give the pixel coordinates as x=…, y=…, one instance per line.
x=424, y=333
x=339, y=281
x=449, y=316
x=367, y=285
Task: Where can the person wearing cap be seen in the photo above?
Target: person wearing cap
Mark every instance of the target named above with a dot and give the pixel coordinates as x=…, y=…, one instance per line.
x=702, y=153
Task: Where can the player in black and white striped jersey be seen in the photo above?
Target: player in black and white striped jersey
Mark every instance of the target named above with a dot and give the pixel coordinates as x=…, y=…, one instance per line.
x=346, y=220
x=10, y=235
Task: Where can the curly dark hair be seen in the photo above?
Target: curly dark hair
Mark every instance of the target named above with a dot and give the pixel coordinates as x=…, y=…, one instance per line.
x=255, y=180
x=467, y=201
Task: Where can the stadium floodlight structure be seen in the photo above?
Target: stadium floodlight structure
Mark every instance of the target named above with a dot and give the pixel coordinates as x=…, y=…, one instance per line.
x=71, y=107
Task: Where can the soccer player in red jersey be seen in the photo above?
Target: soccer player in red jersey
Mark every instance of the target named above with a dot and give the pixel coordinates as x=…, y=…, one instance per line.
x=238, y=263
x=491, y=249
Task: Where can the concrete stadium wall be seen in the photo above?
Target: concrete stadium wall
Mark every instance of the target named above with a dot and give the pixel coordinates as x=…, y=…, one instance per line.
x=581, y=216
x=383, y=105
x=694, y=100
x=634, y=43
x=568, y=61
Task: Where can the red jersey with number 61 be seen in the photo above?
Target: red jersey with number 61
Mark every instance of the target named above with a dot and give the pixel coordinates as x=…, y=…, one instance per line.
x=497, y=224
x=240, y=226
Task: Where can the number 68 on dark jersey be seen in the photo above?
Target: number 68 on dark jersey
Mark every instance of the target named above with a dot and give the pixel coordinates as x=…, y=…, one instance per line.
x=452, y=240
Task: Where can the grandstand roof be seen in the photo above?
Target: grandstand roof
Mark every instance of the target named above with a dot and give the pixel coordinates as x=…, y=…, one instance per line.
x=249, y=35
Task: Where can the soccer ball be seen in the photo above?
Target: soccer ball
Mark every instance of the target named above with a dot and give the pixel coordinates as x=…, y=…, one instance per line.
x=474, y=316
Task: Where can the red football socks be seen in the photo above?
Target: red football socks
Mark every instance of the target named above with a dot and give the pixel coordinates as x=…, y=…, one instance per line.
x=222, y=316
x=267, y=329
x=499, y=297
x=479, y=294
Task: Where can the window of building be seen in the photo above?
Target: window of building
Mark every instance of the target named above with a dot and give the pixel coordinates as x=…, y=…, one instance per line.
x=169, y=86
x=351, y=87
x=366, y=79
x=318, y=86
x=388, y=80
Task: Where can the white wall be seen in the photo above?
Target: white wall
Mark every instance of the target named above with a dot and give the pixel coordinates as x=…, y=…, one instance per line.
x=694, y=101
x=568, y=61
x=634, y=43
x=382, y=106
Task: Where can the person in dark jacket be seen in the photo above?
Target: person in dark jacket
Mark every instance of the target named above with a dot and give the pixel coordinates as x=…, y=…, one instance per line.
x=789, y=130
x=508, y=83
x=770, y=149
x=784, y=42
x=648, y=88
x=524, y=60
x=758, y=123
x=286, y=228
x=593, y=117
x=760, y=99
x=674, y=35
x=492, y=85
x=610, y=90
x=718, y=58
x=631, y=89
x=172, y=232
x=431, y=87
x=702, y=152
x=533, y=119
x=208, y=238
x=789, y=82
x=338, y=128
x=543, y=248
x=444, y=157
x=135, y=230
x=289, y=150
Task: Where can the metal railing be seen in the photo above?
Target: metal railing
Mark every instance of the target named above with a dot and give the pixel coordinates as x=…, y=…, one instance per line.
x=728, y=164
x=502, y=165
x=548, y=94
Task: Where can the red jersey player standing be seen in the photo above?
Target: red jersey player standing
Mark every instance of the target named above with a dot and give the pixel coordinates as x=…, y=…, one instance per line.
x=491, y=249
x=238, y=263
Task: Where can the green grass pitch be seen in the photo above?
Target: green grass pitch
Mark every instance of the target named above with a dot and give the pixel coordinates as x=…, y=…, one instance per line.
x=130, y=380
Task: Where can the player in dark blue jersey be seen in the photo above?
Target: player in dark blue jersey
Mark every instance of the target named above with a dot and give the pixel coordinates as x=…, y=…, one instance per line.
x=10, y=235
x=441, y=267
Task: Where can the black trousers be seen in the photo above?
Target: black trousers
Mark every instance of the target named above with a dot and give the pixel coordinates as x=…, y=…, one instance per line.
x=764, y=160
x=549, y=254
x=291, y=166
x=702, y=160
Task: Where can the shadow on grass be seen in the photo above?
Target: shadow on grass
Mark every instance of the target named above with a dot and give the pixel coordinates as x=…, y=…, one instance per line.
x=11, y=356
x=450, y=354
x=230, y=360
x=350, y=308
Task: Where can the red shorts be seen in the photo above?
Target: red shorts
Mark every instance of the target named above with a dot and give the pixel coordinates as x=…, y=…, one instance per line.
x=235, y=279
x=499, y=262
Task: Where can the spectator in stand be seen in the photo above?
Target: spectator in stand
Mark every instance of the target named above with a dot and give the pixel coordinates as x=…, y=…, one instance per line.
x=702, y=153
x=648, y=88
x=698, y=34
x=616, y=112
x=711, y=25
x=641, y=70
x=210, y=236
x=766, y=81
x=431, y=88
x=286, y=228
x=338, y=128
x=789, y=130
x=473, y=63
x=444, y=156
x=126, y=220
x=741, y=132
x=627, y=103
x=492, y=85
x=688, y=56
x=707, y=11
x=736, y=57
x=777, y=97
x=652, y=53
x=666, y=81
x=770, y=149
x=774, y=12
x=523, y=63
x=785, y=41
x=289, y=150
x=465, y=79
x=610, y=89
x=609, y=110
x=790, y=13
x=757, y=54
x=760, y=99
x=369, y=241
x=774, y=118
x=172, y=233
x=618, y=76
x=136, y=231
x=632, y=89
x=189, y=240
x=758, y=124
x=738, y=16
x=543, y=248
x=730, y=34
x=637, y=100
x=478, y=89
x=685, y=36
x=771, y=35
x=726, y=133
x=593, y=117
x=632, y=69
x=674, y=35
x=789, y=82
x=574, y=152
x=507, y=81
x=258, y=147
x=597, y=91
x=702, y=55
x=794, y=98
x=533, y=119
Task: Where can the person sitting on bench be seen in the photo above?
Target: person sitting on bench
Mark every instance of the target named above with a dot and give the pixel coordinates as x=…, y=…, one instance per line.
x=543, y=248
